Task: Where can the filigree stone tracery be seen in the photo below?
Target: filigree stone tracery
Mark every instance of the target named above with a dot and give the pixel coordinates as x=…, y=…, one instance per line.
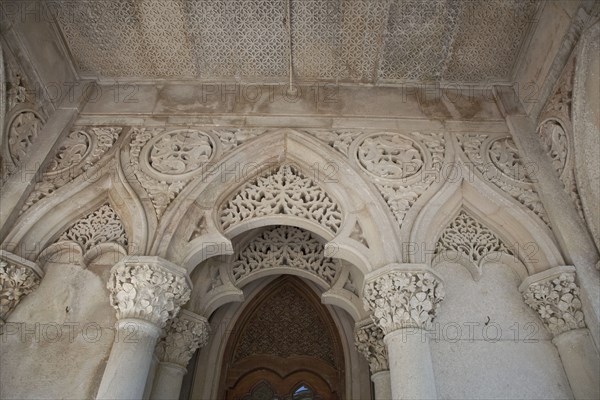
x=368, y=339
x=556, y=300
x=498, y=161
x=401, y=194
x=147, y=290
x=403, y=299
x=79, y=151
x=185, y=333
x=468, y=236
x=286, y=191
x=16, y=281
x=285, y=247
x=100, y=226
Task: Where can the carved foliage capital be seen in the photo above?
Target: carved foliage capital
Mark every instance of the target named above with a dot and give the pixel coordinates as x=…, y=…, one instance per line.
x=184, y=335
x=402, y=299
x=17, y=279
x=148, y=288
x=556, y=300
x=369, y=342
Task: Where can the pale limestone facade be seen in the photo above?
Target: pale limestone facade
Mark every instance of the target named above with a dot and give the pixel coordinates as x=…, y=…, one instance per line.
x=431, y=176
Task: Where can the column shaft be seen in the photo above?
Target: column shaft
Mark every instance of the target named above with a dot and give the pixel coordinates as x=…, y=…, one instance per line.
x=168, y=380
x=581, y=362
x=411, y=368
x=383, y=385
x=129, y=361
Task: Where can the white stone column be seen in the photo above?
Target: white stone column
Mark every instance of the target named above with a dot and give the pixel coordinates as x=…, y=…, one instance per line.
x=554, y=295
x=146, y=292
x=368, y=338
x=184, y=335
x=404, y=300
x=18, y=278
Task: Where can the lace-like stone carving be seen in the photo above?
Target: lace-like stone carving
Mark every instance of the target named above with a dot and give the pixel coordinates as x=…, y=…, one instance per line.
x=147, y=291
x=286, y=191
x=80, y=150
x=468, y=236
x=164, y=163
x=23, y=130
x=401, y=194
x=499, y=163
x=184, y=335
x=557, y=301
x=390, y=156
x=402, y=299
x=16, y=282
x=100, y=226
x=288, y=247
x=179, y=152
x=368, y=339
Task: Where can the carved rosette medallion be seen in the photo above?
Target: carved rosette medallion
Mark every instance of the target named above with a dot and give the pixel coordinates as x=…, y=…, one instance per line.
x=148, y=288
x=403, y=299
x=18, y=278
x=185, y=333
x=368, y=339
x=390, y=156
x=556, y=299
x=23, y=130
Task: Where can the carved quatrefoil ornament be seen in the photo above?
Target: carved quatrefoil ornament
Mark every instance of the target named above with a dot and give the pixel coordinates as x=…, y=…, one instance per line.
x=177, y=155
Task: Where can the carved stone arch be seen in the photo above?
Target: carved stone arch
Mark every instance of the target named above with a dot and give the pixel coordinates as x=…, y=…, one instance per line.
x=273, y=251
x=530, y=239
x=357, y=199
x=207, y=380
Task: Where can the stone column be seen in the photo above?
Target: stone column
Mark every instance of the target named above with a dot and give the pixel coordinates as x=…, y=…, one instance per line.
x=568, y=227
x=18, y=278
x=368, y=338
x=404, y=300
x=146, y=292
x=184, y=335
x=554, y=295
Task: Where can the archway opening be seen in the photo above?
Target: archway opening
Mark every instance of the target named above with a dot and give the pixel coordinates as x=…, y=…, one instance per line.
x=286, y=345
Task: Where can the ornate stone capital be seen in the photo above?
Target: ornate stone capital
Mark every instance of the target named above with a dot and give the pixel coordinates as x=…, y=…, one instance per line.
x=554, y=295
x=148, y=288
x=184, y=335
x=402, y=296
x=18, y=278
x=368, y=338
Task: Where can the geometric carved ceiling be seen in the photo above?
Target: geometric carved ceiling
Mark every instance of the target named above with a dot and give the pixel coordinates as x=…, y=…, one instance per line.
x=356, y=41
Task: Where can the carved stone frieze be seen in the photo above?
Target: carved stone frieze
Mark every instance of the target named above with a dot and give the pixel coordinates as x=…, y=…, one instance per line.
x=498, y=162
x=184, y=334
x=403, y=299
x=18, y=278
x=556, y=300
x=285, y=247
x=148, y=288
x=339, y=139
x=100, y=226
x=368, y=339
x=77, y=153
x=470, y=237
x=233, y=137
x=284, y=191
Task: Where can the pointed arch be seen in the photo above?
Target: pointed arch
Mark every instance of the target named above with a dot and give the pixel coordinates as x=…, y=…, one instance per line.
x=531, y=239
x=357, y=200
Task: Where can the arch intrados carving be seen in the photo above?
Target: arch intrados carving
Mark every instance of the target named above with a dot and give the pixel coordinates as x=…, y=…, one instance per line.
x=513, y=224
x=353, y=194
